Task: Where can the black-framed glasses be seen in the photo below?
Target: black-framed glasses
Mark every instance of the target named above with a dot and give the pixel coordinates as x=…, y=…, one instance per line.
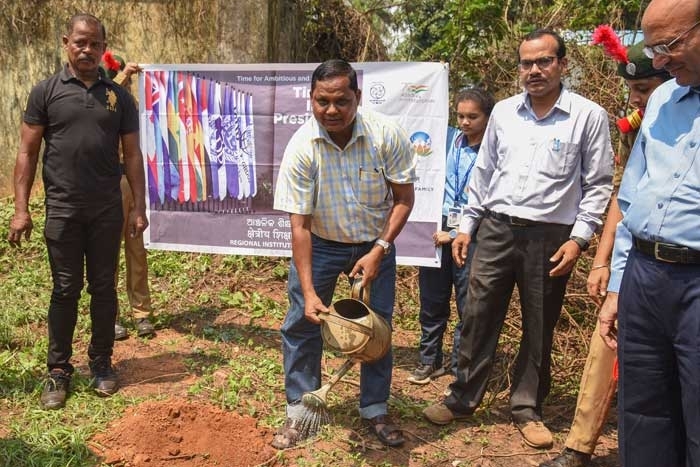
x=542, y=63
x=665, y=49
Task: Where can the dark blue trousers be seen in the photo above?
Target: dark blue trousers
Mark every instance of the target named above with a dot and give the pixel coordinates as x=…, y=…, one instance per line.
x=659, y=356
x=435, y=286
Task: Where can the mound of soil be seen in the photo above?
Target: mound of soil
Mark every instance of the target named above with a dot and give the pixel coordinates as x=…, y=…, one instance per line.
x=179, y=432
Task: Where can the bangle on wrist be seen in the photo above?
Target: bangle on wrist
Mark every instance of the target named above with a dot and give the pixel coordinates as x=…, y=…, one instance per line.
x=599, y=266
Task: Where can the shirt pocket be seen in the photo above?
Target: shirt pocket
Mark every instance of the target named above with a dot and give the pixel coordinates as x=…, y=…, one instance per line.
x=371, y=187
x=558, y=158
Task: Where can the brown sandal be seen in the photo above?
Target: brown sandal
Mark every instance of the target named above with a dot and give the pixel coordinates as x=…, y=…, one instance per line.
x=389, y=434
x=287, y=436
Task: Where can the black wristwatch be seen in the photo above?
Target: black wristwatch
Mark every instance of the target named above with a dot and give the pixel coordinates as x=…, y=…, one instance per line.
x=581, y=242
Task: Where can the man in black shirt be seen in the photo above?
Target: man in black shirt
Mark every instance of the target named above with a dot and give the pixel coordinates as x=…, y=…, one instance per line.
x=82, y=117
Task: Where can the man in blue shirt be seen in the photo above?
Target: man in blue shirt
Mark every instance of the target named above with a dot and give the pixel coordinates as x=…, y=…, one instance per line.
x=657, y=246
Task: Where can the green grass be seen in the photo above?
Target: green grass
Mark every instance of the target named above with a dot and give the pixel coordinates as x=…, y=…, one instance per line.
x=237, y=365
x=189, y=288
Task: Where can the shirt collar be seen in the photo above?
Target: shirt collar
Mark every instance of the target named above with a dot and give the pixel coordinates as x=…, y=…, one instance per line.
x=66, y=76
x=684, y=91
x=358, y=129
x=562, y=103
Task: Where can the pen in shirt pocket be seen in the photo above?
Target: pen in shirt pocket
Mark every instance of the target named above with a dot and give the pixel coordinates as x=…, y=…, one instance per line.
x=556, y=144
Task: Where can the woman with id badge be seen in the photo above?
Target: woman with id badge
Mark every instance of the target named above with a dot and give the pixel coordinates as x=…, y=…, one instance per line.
x=473, y=107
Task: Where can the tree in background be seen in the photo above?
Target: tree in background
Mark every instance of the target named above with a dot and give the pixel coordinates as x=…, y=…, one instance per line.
x=478, y=38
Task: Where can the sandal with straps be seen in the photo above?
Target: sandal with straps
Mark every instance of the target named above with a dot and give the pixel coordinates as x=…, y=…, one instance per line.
x=389, y=434
x=287, y=436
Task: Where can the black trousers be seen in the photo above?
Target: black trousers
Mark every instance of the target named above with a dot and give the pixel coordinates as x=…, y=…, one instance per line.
x=507, y=255
x=80, y=240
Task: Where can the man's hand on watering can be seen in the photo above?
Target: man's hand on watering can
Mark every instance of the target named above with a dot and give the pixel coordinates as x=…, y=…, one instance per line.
x=368, y=266
x=312, y=307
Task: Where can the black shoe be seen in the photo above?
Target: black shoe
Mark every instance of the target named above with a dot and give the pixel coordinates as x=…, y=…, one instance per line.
x=55, y=389
x=144, y=328
x=120, y=332
x=104, y=379
x=568, y=458
x=425, y=372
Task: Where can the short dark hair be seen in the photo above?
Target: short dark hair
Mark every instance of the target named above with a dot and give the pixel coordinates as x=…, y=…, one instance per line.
x=537, y=33
x=481, y=96
x=85, y=18
x=332, y=69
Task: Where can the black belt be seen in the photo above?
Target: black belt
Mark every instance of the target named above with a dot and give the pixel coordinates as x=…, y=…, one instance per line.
x=512, y=220
x=667, y=252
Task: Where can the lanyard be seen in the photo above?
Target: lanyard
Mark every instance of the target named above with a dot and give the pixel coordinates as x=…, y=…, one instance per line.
x=461, y=184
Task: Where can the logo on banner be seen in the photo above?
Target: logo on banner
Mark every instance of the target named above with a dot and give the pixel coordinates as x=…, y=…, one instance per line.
x=377, y=92
x=422, y=144
x=416, y=92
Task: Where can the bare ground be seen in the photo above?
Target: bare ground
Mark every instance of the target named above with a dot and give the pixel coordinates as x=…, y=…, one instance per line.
x=176, y=427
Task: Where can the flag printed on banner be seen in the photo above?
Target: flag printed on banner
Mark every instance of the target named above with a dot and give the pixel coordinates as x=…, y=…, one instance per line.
x=198, y=149
x=184, y=166
x=174, y=139
x=200, y=142
x=229, y=139
x=149, y=130
x=203, y=106
x=216, y=142
x=170, y=176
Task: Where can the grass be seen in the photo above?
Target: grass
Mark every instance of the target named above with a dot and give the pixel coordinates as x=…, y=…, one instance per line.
x=237, y=365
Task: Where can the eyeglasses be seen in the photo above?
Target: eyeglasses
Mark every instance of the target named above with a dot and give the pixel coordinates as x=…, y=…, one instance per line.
x=542, y=63
x=665, y=49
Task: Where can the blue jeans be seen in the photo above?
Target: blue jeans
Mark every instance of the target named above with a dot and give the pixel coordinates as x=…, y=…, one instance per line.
x=435, y=293
x=301, y=340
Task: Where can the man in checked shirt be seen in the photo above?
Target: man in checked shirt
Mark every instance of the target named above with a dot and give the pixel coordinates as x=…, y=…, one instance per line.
x=346, y=181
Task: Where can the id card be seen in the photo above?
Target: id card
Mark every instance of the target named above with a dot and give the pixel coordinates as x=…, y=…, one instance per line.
x=454, y=217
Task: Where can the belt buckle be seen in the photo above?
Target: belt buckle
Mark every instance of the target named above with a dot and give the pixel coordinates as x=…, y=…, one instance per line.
x=518, y=222
x=656, y=252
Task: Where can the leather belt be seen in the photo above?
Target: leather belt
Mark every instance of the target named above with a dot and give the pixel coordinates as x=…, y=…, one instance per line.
x=512, y=220
x=667, y=252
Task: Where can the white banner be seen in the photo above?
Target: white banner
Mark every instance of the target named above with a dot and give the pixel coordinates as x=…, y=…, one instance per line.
x=213, y=138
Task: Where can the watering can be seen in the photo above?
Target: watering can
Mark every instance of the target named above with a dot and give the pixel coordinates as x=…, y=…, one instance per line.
x=352, y=328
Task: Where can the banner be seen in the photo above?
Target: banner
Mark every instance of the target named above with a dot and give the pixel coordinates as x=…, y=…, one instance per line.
x=213, y=137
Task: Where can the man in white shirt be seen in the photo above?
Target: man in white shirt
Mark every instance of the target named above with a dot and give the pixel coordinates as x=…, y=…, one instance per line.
x=540, y=186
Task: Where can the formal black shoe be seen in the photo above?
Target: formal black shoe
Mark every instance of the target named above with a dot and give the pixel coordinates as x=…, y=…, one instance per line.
x=104, y=379
x=144, y=328
x=55, y=389
x=568, y=458
x=120, y=332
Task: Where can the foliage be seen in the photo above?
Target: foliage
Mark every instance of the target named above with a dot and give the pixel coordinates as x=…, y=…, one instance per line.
x=332, y=29
x=479, y=38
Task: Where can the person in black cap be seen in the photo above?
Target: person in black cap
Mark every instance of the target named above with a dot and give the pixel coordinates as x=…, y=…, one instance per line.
x=598, y=382
x=120, y=72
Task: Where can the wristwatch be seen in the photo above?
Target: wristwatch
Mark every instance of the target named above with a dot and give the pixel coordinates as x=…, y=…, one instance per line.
x=581, y=242
x=386, y=246
x=453, y=233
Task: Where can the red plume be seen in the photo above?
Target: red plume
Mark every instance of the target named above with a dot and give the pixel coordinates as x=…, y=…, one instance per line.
x=110, y=61
x=605, y=35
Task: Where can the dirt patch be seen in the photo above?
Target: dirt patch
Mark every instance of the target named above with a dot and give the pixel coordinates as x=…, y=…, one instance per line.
x=178, y=432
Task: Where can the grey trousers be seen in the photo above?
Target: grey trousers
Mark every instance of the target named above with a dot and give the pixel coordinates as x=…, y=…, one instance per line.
x=509, y=255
